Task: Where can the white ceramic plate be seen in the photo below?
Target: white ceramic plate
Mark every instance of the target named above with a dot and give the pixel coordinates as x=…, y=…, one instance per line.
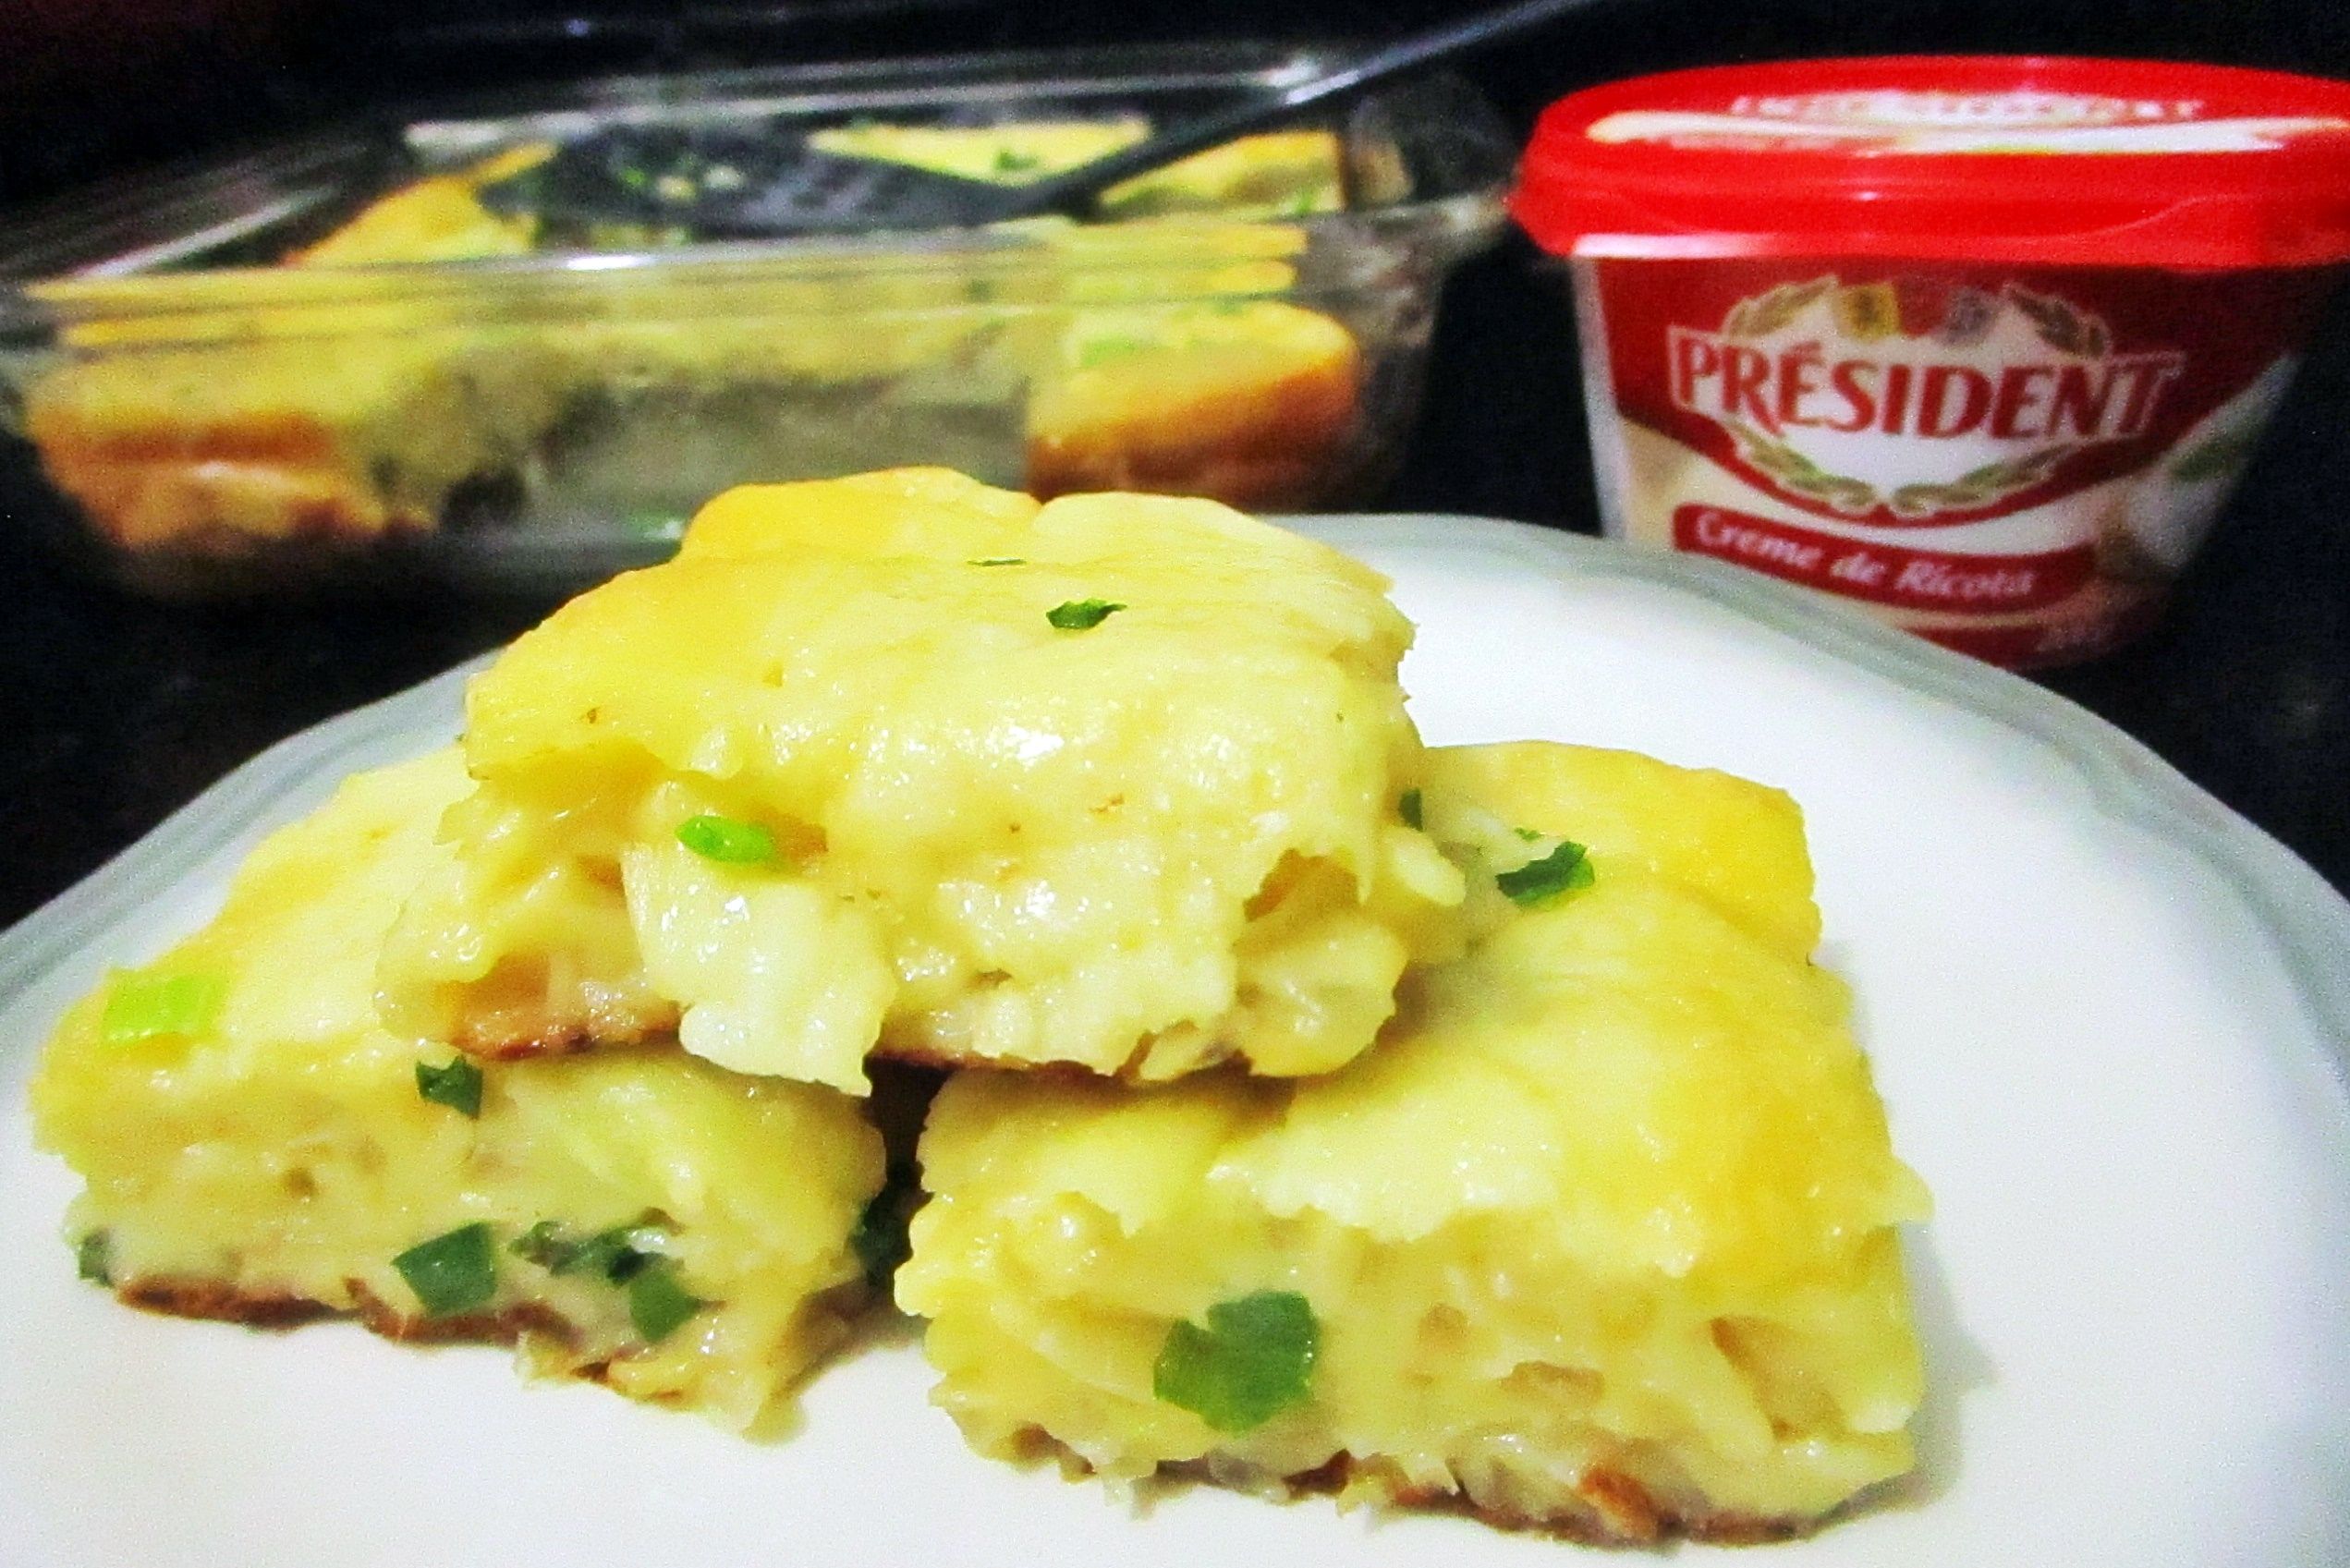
x=2108, y=1018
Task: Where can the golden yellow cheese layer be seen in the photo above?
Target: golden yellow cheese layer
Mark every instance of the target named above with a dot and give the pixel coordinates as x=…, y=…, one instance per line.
x=276, y=1150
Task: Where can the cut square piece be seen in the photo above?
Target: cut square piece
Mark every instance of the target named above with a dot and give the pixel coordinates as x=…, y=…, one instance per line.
x=1600, y=1237
x=258, y=1148
x=905, y=763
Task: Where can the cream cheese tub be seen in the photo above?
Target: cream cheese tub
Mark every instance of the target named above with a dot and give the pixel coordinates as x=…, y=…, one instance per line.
x=1981, y=344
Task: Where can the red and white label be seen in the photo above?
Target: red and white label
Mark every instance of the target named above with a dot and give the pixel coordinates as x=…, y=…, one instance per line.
x=2010, y=459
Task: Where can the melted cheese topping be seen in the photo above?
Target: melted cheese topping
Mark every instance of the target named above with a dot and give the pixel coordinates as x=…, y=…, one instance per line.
x=1164, y=840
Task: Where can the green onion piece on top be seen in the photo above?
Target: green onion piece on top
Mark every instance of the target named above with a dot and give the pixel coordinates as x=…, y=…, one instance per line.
x=1539, y=881
x=727, y=840
x=1253, y=1360
x=93, y=1257
x=451, y=1273
x=1082, y=614
x=658, y=1305
x=1410, y=806
x=145, y=1006
x=998, y=561
x=456, y=1086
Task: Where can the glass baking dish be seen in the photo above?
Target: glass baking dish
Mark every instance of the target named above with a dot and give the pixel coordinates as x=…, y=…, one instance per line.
x=336, y=361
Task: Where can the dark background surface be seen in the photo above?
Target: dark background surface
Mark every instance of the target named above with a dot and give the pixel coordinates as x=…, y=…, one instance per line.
x=115, y=712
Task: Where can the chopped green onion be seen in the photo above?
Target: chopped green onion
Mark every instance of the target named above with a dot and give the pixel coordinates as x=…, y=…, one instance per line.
x=451, y=1273
x=1011, y=161
x=614, y=1255
x=543, y=1244
x=879, y=1239
x=1254, y=1360
x=658, y=1305
x=1528, y=834
x=93, y=1257
x=151, y=1006
x=1410, y=807
x=727, y=840
x=1082, y=614
x=1102, y=350
x=997, y=560
x=1537, y=882
x=456, y=1086
x=617, y=1254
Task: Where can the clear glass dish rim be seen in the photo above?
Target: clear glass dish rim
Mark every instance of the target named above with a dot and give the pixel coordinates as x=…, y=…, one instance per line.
x=1455, y=221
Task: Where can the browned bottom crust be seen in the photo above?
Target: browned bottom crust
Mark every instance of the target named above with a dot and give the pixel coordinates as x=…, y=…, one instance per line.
x=516, y=1033
x=1623, y=1512
x=1615, y=1511
x=218, y=492
x=220, y=1302
x=507, y=1039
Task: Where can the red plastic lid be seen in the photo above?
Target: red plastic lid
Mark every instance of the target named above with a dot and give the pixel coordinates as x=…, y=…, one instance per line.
x=2109, y=163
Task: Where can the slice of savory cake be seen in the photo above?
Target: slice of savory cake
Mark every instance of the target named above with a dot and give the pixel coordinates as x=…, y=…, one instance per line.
x=904, y=761
x=258, y=1148
x=224, y=417
x=225, y=450
x=1599, y=1238
x=1251, y=402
